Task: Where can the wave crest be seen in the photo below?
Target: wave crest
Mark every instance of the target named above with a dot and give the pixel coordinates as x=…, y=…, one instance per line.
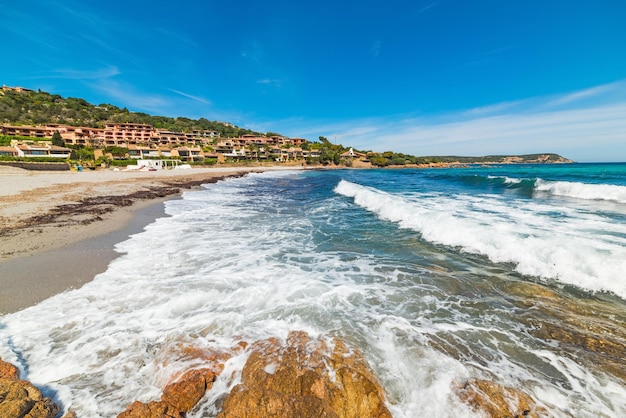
x=585, y=191
x=572, y=247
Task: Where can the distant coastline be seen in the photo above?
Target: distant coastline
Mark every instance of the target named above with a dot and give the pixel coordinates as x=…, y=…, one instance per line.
x=37, y=126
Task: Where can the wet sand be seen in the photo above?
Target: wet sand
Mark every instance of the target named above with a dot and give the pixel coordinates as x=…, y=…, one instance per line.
x=58, y=229
x=32, y=277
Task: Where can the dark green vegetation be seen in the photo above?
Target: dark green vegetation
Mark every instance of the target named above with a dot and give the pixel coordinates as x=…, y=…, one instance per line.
x=36, y=108
x=395, y=159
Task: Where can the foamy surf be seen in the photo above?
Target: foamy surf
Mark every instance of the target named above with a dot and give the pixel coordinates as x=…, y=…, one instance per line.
x=257, y=257
x=609, y=192
x=573, y=247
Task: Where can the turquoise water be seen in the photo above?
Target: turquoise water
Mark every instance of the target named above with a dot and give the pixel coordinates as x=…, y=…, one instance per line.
x=436, y=275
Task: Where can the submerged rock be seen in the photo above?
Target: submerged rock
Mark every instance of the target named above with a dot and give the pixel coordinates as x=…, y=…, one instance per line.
x=589, y=331
x=305, y=378
x=498, y=401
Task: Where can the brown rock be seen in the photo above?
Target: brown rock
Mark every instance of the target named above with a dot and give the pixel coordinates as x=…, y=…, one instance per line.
x=187, y=391
x=498, y=401
x=184, y=390
x=305, y=378
x=8, y=371
x=70, y=414
x=591, y=331
x=19, y=398
x=150, y=410
x=178, y=397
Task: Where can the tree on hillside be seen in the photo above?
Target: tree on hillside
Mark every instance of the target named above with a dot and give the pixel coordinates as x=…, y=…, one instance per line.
x=57, y=140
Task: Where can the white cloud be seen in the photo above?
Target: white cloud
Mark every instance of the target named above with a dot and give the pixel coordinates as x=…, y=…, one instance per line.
x=270, y=81
x=587, y=93
x=494, y=108
x=74, y=74
x=573, y=133
x=428, y=6
x=128, y=96
x=589, y=131
x=192, y=97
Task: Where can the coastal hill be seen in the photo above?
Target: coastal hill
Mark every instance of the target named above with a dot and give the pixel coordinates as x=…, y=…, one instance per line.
x=28, y=107
x=21, y=106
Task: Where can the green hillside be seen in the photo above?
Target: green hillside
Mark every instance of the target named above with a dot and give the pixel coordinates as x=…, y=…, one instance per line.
x=35, y=108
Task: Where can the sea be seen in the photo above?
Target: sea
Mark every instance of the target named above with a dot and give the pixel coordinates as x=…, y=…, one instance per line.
x=514, y=274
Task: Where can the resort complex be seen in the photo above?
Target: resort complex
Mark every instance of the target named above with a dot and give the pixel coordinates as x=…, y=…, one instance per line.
x=143, y=141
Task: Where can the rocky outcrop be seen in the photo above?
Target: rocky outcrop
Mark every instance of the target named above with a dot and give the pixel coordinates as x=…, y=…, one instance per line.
x=152, y=409
x=20, y=399
x=305, y=378
x=178, y=397
x=186, y=392
x=498, y=401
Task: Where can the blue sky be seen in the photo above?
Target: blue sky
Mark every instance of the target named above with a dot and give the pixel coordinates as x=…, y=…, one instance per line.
x=447, y=77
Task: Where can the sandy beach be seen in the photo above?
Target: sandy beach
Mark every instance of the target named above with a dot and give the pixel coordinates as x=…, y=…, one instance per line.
x=58, y=229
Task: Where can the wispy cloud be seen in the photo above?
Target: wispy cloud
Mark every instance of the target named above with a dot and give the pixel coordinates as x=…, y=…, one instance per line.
x=192, y=97
x=74, y=74
x=587, y=93
x=128, y=96
x=270, y=82
x=586, y=132
x=428, y=7
x=494, y=108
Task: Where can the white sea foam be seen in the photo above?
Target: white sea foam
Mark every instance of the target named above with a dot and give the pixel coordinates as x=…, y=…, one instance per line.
x=507, y=180
x=575, y=247
x=578, y=190
x=201, y=278
x=232, y=264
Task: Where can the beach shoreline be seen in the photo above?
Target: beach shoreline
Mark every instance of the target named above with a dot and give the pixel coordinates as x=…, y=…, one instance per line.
x=58, y=230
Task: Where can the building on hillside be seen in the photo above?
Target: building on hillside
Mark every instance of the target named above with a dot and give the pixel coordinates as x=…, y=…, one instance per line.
x=42, y=150
x=276, y=140
x=297, y=142
x=117, y=134
x=188, y=153
x=295, y=153
x=80, y=135
x=27, y=130
x=17, y=89
x=205, y=134
x=164, y=137
x=351, y=153
x=138, y=134
x=237, y=154
x=8, y=152
x=142, y=152
x=73, y=135
x=165, y=152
